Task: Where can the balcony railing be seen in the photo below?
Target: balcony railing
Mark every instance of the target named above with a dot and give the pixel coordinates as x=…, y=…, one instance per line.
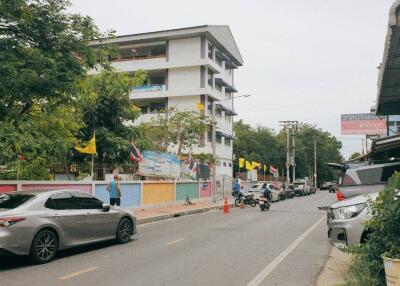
x=148, y=88
x=137, y=58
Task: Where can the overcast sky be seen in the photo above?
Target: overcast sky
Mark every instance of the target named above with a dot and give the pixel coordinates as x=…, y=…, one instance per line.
x=305, y=60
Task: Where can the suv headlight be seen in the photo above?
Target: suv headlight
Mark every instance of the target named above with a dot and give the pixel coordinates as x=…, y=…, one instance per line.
x=348, y=212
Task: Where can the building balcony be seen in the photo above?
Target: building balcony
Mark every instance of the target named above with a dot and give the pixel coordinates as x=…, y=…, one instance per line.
x=148, y=91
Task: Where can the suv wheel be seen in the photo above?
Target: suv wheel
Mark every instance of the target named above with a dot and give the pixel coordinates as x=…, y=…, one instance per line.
x=44, y=247
x=124, y=231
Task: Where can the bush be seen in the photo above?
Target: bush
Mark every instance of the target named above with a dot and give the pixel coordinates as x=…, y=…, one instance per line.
x=384, y=239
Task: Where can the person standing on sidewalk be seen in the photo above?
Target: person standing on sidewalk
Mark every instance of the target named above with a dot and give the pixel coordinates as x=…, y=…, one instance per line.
x=114, y=189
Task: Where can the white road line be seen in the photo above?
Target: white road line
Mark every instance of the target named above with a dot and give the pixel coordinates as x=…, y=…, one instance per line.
x=84, y=271
x=174, y=241
x=270, y=267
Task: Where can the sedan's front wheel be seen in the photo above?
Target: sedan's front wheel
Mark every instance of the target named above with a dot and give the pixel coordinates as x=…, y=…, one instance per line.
x=44, y=247
x=125, y=230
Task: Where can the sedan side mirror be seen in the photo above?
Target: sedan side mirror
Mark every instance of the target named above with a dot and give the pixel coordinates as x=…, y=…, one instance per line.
x=106, y=207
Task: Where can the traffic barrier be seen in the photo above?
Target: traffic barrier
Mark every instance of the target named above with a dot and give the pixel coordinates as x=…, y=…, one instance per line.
x=226, y=206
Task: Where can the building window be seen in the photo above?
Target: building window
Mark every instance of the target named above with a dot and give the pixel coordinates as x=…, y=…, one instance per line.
x=218, y=60
x=218, y=163
x=224, y=164
x=228, y=117
x=227, y=142
x=210, y=78
x=218, y=139
x=218, y=113
x=209, y=135
x=218, y=87
x=157, y=107
x=210, y=51
x=230, y=164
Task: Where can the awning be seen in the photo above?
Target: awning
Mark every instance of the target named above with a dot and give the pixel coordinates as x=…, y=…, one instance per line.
x=226, y=109
x=388, y=99
x=228, y=87
x=219, y=133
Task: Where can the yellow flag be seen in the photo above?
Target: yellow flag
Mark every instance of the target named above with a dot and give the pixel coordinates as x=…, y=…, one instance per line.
x=90, y=148
x=200, y=106
x=135, y=108
x=248, y=166
x=241, y=162
x=255, y=164
x=265, y=167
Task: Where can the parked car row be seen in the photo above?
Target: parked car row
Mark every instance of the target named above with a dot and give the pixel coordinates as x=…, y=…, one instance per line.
x=279, y=193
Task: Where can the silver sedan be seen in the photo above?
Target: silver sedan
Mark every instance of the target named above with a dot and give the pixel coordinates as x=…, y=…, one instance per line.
x=39, y=223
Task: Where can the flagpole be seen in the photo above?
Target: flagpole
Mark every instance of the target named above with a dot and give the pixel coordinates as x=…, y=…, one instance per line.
x=92, y=166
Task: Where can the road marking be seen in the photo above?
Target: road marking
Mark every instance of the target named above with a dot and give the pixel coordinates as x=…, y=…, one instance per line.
x=270, y=267
x=174, y=241
x=84, y=271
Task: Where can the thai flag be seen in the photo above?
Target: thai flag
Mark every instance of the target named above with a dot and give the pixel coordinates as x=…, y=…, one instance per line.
x=135, y=154
x=273, y=170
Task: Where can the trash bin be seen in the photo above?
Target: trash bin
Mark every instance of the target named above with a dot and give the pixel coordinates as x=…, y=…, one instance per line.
x=392, y=271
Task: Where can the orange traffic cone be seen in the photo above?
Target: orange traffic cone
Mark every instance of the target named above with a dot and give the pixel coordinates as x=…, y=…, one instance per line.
x=242, y=204
x=226, y=206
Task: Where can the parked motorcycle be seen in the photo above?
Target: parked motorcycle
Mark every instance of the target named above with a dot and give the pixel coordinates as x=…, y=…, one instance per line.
x=263, y=203
x=247, y=200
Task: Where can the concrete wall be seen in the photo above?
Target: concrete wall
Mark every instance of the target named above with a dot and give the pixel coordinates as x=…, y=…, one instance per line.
x=158, y=193
x=183, y=79
x=134, y=194
x=187, y=189
x=131, y=194
x=184, y=50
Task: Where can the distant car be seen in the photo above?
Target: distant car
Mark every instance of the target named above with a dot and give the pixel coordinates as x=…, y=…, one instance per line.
x=256, y=188
x=39, y=223
x=301, y=187
x=333, y=187
x=346, y=221
x=328, y=185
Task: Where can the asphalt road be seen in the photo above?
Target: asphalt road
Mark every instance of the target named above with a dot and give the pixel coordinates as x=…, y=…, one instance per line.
x=285, y=246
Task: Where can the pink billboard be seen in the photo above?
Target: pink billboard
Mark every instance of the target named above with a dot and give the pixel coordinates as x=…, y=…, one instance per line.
x=363, y=124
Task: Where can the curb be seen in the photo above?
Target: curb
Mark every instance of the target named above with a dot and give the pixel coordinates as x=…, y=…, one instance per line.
x=179, y=214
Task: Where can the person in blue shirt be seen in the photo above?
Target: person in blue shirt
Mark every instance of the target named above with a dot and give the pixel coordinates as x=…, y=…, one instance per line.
x=114, y=189
x=235, y=188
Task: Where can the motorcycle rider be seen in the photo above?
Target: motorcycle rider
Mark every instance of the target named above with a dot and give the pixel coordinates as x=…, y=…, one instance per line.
x=266, y=192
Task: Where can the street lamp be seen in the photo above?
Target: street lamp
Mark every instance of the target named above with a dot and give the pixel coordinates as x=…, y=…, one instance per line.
x=213, y=142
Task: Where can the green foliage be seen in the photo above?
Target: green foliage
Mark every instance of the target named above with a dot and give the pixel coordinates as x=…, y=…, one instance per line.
x=260, y=144
x=43, y=52
x=354, y=156
x=181, y=128
x=263, y=145
x=109, y=112
x=44, y=141
x=383, y=240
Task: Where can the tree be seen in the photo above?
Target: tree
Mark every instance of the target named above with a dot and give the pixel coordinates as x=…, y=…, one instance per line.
x=43, y=53
x=354, y=156
x=263, y=145
x=109, y=112
x=183, y=129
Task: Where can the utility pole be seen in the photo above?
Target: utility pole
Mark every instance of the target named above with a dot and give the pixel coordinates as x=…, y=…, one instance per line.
x=294, y=156
x=287, y=155
x=315, y=163
x=291, y=127
x=213, y=140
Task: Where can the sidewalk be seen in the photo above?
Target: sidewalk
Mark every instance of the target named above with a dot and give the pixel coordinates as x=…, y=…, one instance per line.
x=156, y=214
x=334, y=269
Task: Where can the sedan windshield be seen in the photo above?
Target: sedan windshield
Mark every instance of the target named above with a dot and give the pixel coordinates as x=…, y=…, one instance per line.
x=13, y=201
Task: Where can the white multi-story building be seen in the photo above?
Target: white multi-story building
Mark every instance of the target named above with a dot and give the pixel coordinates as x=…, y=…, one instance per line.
x=185, y=67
